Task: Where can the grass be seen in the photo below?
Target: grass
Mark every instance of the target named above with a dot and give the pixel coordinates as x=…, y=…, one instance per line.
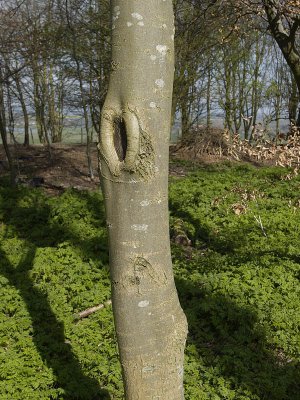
x=238, y=284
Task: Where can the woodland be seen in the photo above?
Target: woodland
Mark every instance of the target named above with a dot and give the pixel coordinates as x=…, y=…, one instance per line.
x=234, y=203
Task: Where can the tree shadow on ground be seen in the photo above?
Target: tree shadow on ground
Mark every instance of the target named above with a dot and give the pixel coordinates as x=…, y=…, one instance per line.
x=235, y=241
x=231, y=339
x=37, y=223
x=32, y=224
x=227, y=336
x=48, y=333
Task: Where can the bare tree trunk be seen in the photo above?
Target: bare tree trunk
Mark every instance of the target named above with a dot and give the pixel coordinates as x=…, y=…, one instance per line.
x=228, y=85
x=86, y=120
x=286, y=41
x=3, y=134
x=208, y=99
x=293, y=101
x=37, y=105
x=8, y=154
x=10, y=114
x=150, y=324
x=24, y=109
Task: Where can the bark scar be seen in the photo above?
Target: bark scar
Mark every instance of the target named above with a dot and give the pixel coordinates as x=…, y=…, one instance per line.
x=143, y=269
x=139, y=157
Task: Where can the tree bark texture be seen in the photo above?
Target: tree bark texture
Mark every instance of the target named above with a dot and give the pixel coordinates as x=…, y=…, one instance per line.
x=134, y=145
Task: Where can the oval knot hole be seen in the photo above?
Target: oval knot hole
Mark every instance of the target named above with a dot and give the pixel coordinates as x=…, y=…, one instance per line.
x=120, y=138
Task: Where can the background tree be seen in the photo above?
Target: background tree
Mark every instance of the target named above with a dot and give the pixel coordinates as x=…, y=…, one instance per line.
x=57, y=56
x=284, y=22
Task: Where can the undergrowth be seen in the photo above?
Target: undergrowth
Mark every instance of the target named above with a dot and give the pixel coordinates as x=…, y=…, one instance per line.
x=239, y=286
x=238, y=282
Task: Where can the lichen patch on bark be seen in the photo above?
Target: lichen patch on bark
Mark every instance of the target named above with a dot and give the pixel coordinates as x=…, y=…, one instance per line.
x=143, y=303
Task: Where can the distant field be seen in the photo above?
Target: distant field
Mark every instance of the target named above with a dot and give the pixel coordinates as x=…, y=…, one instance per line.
x=74, y=132
x=71, y=135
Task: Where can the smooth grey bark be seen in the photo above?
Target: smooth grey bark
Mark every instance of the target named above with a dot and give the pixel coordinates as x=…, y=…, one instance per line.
x=150, y=325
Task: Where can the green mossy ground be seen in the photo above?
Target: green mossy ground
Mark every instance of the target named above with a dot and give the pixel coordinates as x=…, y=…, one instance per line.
x=238, y=284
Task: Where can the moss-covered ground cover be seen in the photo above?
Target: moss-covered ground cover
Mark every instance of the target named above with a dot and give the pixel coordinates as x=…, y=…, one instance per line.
x=238, y=284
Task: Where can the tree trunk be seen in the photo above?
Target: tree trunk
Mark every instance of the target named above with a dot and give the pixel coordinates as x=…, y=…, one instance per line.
x=86, y=119
x=10, y=115
x=24, y=109
x=3, y=135
x=208, y=99
x=228, y=86
x=37, y=104
x=298, y=118
x=286, y=41
x=185, y=117
x=150, y=324
x=8, y=154
x=294, y=109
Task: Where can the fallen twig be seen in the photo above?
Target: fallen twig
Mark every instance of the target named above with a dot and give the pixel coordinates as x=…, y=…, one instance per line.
x=258, y=220
x=91, y=310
